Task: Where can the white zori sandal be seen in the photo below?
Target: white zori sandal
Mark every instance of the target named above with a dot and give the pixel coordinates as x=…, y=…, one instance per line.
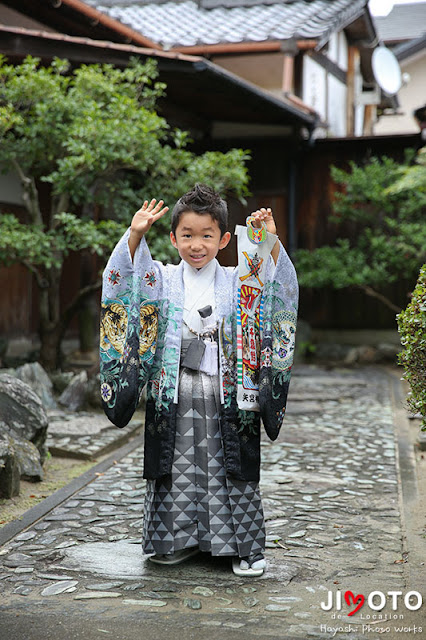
x=253, y=566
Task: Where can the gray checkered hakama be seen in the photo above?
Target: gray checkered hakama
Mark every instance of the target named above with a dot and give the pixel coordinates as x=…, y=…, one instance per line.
x=198, y=506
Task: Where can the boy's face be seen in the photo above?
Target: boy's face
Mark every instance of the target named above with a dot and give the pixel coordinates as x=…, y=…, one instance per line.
x=198, y=238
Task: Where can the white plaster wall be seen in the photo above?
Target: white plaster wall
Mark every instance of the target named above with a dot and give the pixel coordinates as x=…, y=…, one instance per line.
x=336, y=107
x=338, y=49
x=315, y=86
x=342, y=59
x=333, y=47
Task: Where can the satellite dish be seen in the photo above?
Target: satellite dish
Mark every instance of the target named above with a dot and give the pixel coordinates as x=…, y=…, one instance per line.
x=386, y=70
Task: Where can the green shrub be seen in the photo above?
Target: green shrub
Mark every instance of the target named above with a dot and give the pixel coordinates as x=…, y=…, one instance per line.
x=412, y=329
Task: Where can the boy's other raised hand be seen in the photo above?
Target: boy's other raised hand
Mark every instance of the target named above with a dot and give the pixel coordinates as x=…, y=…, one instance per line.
x=265, y=215
x=146, y=216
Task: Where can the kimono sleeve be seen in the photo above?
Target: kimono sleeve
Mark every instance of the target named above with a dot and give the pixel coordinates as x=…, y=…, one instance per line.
x=128, y=328
x=281, y=296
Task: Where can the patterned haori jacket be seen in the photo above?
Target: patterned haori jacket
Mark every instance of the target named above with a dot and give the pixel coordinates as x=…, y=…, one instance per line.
x=140, y=339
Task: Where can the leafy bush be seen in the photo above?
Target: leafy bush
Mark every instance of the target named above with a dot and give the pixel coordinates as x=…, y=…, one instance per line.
x=382, y=207
x=412, y=328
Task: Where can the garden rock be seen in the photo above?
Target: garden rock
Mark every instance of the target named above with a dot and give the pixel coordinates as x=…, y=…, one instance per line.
x=94, y=392
x=22, y=413
x=61, y=379
x=28, y=458
x=74, y=398
x=36, y=377
x=9, y=468
x=388, y=352
x=330, y=351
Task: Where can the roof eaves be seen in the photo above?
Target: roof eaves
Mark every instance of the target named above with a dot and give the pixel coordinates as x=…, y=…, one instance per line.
x=122, y=29
x=90, y=15
x=100, y=44
x=343, y=20
x=186, y=63
x=410, y=48
x=264, y=46
x=371, y=39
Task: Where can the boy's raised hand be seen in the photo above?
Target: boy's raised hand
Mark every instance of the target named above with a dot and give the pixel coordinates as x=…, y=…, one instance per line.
x=146, y=216
x=265, y=215
x=143, y=220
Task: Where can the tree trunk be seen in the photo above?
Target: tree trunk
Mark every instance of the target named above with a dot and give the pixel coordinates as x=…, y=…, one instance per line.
x=86, y=326
x=53, y=321
x=86, y=311
x=50, y=347
x=52, y=326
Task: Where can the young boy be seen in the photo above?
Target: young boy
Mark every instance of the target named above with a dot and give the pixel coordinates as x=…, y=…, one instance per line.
x=164, y=325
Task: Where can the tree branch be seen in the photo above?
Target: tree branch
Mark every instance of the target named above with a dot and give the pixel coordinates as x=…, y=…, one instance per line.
x=74, y=304
x=41, y=282
x=375, y=294
x=30, y=194
x=59, y=205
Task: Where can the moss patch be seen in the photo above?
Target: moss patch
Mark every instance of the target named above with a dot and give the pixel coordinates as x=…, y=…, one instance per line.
x=58, y=472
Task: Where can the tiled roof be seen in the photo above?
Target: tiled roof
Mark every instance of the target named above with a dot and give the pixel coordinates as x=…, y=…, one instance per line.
x=404, y=22
x=188, y=23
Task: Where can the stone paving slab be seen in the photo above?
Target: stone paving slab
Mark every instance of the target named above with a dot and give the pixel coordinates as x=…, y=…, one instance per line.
x=86, y=435
x=331, y=493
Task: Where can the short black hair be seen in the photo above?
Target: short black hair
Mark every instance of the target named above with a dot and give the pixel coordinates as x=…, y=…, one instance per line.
x=203, y=200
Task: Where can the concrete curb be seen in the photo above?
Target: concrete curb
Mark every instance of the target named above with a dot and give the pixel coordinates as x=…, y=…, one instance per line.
x=41, y=509
x=407, y=461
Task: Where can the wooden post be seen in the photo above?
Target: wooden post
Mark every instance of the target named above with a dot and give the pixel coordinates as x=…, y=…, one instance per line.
x=369, y=119
x=288, y=69
x=353, y=65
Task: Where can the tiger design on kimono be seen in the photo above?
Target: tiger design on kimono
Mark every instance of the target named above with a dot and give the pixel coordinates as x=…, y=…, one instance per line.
x=113, y=329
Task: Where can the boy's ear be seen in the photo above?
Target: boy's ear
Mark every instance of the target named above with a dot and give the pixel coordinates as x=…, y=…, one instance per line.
x=224, y=240
x=173, y=239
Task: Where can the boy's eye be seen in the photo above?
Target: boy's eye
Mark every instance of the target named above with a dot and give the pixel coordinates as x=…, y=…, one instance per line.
x=207, y=236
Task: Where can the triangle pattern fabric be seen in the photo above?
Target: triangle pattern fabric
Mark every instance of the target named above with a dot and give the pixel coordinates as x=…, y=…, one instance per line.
x=198, y=505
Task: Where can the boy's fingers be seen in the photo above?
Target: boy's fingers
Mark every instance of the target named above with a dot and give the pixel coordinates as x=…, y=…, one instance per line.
x=158, y=215
x=151, y=205
x=143, y=207
x=158, y=205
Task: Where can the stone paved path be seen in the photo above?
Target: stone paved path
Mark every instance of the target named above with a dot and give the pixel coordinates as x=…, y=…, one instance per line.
x=331, y=492
x=86, y=435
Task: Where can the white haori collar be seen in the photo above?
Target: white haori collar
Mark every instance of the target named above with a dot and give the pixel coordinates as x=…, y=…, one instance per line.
x=199, y=292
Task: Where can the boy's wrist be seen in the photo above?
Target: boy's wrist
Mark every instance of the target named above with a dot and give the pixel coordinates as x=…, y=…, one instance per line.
x=134, y=241
x=135, y=235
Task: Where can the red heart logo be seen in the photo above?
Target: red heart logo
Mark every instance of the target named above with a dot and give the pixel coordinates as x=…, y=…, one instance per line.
x=356, y=599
